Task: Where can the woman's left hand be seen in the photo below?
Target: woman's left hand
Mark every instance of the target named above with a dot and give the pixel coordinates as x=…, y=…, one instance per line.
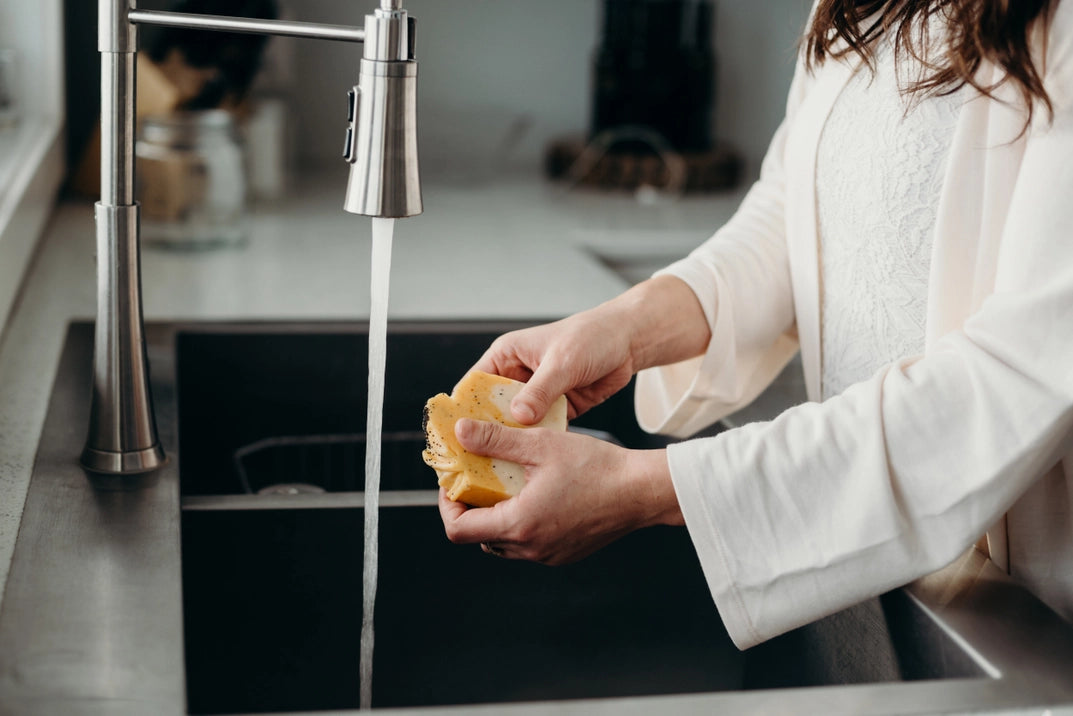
x=580, y=495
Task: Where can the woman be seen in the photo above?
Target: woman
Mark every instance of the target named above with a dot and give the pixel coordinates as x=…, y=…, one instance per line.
x=910, y=234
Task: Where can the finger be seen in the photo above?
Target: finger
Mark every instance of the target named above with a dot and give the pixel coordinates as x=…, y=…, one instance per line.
x=449, y=509
x=504, y=361
x=533, y=401
x=464, y=525
x=488, y=362
x=514, y=371
x=494, y=440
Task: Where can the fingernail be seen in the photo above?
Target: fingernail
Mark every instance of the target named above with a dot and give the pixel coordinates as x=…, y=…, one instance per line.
x=463, y=427
x=523, y=412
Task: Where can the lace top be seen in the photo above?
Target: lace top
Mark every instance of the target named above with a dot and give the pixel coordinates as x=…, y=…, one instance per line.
x=879, y=171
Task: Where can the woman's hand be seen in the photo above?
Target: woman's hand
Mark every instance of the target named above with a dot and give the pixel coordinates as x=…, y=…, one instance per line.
x=581, y=357
x=581, y=494
x=591, y=355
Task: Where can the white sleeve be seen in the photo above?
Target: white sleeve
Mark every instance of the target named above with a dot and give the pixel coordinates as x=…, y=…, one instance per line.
x=832, y=503
x=741, y=276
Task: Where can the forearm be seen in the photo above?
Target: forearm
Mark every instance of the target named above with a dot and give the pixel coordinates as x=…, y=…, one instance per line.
x=664, y=320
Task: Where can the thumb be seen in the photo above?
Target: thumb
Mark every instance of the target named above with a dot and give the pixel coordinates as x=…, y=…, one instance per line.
x=493, y=440
x=534, y=400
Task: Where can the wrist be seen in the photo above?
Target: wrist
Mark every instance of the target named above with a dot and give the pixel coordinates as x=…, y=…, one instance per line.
x=663, y=320
x=651, y=489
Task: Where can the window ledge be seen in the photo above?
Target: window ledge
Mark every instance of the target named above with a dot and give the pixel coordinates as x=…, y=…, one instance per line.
x=31, y=170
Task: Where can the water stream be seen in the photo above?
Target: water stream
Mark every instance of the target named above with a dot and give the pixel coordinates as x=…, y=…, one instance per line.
x=380, y=273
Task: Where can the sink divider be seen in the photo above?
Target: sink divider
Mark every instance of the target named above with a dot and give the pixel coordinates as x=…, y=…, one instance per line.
x=306, y=501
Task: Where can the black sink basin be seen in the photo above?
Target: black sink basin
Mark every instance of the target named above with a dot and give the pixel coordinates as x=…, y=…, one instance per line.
x=273, y=596
x=273, y=610
x=272, y=585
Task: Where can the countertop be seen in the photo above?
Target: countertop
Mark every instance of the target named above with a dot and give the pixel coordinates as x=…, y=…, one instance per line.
x=495, y=247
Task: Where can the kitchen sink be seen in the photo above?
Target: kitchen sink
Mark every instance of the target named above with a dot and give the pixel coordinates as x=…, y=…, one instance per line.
x=230, y=580
x=271, y=459
x=271, y=456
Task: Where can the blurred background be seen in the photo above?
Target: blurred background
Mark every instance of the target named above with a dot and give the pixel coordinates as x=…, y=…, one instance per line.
x=500, y=80
x=505, y=88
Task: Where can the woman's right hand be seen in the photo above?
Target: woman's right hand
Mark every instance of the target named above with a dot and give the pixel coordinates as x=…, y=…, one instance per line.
x=585, y=357
x=591, y=355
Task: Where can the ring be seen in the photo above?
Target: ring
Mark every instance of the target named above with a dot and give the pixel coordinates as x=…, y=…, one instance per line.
x=489, y=549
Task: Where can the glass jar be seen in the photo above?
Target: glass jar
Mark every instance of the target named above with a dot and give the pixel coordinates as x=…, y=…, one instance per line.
x=190, y=180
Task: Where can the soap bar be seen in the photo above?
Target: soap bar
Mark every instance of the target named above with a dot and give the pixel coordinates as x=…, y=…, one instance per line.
x=477, y=480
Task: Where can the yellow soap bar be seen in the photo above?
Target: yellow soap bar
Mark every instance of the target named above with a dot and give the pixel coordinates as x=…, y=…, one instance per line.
x=477, y=480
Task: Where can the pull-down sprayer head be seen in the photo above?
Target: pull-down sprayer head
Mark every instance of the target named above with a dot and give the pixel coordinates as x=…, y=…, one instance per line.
x=381, y=139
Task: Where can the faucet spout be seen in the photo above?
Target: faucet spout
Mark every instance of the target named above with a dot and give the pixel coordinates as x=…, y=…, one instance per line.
x=381, y=137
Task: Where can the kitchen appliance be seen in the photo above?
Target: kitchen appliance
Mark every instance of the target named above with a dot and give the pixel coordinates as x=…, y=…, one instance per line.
x=655, y=68
x=654, y=90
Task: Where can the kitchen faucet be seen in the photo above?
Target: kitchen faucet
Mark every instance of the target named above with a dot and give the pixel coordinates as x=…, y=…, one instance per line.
x=380, y=145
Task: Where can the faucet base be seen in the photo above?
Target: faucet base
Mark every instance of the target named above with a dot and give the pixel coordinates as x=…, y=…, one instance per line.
x=134, y=462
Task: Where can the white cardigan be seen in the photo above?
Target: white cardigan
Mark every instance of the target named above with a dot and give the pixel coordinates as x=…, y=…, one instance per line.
x=835, y=502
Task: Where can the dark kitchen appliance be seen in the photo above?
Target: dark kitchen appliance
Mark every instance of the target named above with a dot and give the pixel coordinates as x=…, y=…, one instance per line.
x=655, y=68
x=654, y=91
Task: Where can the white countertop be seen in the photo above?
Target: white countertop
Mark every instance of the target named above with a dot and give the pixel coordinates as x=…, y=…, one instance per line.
x=516, y=247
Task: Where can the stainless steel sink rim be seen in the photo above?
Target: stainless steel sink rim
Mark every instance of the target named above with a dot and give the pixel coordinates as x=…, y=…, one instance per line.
x=129, y=658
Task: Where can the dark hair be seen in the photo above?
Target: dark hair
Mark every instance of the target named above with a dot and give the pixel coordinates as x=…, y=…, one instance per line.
x=999, y=31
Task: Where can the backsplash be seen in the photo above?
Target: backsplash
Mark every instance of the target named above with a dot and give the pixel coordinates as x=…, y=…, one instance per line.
x=499, y=79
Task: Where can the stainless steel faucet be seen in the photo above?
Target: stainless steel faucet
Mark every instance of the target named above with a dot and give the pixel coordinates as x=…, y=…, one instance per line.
x=381, y=139
x=381, y=146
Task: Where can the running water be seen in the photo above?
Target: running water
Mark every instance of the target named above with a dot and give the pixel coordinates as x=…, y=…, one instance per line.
x=383, y=229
